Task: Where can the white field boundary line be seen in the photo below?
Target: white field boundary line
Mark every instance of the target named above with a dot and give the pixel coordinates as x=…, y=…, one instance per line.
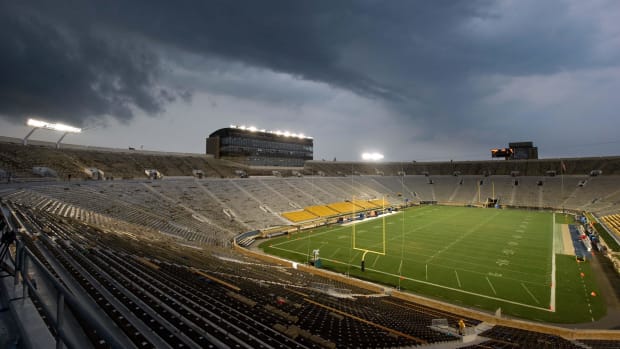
x=472, y=271
x=552, y=296
x=553, y=270
x=354, y=222
x=430, y=283
x=457, y=279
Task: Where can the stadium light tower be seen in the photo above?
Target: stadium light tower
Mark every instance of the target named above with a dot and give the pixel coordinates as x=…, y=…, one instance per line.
x=372, y=156
x=37, y=124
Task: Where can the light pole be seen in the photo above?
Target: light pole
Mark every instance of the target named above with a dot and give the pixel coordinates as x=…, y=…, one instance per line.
x=37, y=124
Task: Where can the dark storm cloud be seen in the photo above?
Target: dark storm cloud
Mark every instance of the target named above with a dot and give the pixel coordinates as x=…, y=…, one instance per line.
x=370, y=47
x=62, y=68
x=78, y=60
x=93, y=58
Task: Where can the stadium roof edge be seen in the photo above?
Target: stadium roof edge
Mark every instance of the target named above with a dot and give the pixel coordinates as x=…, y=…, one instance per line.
x=13, y=140
x=613, y=157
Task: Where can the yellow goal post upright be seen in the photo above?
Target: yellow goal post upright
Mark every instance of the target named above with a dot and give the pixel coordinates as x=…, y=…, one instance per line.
x=366, y=250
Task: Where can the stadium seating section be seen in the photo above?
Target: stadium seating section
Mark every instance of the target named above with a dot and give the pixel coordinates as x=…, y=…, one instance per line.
x=321, y=211
x=613, y=222
x=299, y=216
x=168, y=277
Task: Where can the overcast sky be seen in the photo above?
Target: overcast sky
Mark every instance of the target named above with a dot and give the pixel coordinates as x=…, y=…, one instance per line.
x=415, y=80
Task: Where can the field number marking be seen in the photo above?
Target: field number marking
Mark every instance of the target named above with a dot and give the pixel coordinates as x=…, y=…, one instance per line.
x=502, y=262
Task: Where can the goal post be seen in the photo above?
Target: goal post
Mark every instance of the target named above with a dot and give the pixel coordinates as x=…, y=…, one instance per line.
x=367, y=250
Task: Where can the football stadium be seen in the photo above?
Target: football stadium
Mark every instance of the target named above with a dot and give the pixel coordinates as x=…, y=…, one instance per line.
x=253, y=244
x=310, y=174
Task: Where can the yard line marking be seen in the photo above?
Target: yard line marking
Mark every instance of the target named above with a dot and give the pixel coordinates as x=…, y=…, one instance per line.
x=400, y=267
x=343, y=233
x=467, y=233
x=431, y=283
x=528, y=291
x=457, y=278
x=490, y=284
x=335, y=252
x=457, y=290
x=376, y=259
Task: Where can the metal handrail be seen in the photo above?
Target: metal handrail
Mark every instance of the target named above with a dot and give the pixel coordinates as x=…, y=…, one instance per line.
x=23, y=258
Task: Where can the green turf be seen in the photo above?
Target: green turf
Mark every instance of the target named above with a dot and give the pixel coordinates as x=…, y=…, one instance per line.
x=486, y=258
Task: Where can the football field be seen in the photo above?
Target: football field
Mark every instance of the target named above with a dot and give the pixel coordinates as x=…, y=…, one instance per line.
x=486, y=258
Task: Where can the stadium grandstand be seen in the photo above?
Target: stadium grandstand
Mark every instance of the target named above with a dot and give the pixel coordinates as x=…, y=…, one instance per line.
x=131, y=260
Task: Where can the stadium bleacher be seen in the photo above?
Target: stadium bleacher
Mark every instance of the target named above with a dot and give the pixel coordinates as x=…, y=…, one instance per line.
x=151, y=256
x=344, y=207
x=321, y=211
x=299, y=216
x=613, y=221
x=217, y=209
x=215, y=297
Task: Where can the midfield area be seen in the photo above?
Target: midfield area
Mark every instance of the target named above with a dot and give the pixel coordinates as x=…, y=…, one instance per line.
x=485, y=258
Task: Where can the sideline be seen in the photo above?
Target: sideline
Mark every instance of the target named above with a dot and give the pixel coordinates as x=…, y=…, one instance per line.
x=553, y=269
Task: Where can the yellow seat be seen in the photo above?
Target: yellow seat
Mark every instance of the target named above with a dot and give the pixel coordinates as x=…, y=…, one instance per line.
x=321, y=211
x=344, y=207
x=299, y=216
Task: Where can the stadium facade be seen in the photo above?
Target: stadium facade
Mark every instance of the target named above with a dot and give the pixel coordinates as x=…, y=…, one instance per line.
x=254, y=147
